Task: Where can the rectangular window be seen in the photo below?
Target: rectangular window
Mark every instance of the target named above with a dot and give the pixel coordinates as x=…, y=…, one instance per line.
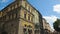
x=18, y=14
x=9, y=9
x=14, y=16
x=25, y=16
x=28, y=17
x=25, y=5
x=29, y=8
x=12, y=7
x=10, y=16
x=4, y=17
x=25, y=13
x=7, y=17
x=32, y=18
x=16, y=6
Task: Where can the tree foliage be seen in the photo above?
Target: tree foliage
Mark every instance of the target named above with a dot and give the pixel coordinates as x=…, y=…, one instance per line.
x=56, y=25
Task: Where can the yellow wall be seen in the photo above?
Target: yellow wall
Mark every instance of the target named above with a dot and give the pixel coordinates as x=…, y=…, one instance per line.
x=26, y=5
x=23, y=23
x=22, y=16
x=27, y=13
x=26, y=22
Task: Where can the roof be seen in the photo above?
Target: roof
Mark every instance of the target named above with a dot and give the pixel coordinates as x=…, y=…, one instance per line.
x=34, y=8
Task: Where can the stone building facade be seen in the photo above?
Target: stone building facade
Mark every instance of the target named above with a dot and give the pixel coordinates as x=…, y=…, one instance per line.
x=47, y=28
x=18, y=18
x=38, y=21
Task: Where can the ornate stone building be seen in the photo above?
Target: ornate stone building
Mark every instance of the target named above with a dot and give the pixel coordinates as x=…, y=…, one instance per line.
x=38, y=21
x=18, y=18
x=47, y=28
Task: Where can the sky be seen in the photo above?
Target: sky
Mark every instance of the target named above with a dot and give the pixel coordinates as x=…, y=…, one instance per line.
x=4, y=3
x=50, y=9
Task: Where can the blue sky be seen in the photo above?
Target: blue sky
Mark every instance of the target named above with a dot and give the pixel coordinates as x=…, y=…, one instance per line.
x=4, y=3
x=50, y=9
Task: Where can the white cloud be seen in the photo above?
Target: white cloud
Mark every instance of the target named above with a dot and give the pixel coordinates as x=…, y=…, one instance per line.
x=50, y=20
x=56, y=8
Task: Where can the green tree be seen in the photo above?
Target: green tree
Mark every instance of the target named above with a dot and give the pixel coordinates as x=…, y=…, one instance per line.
x=56, y=25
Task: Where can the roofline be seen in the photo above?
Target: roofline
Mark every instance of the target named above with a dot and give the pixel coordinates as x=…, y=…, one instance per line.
x=34, y=8
x=27, y=2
